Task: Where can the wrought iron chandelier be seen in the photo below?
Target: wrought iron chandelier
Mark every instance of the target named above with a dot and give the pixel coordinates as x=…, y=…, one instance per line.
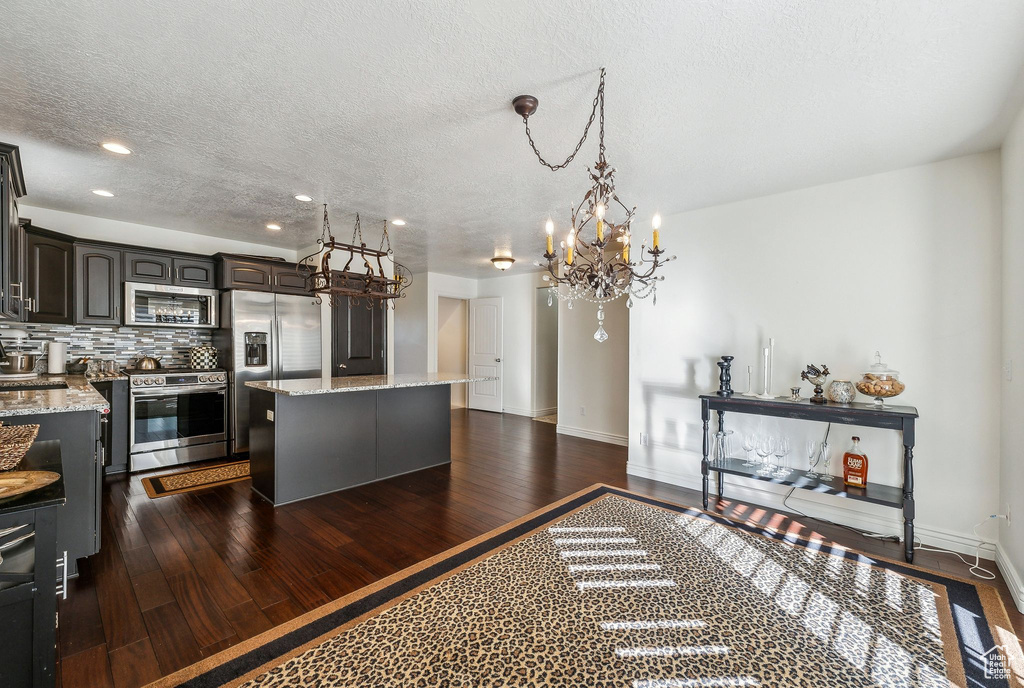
x=366, y=281
x=598, y=270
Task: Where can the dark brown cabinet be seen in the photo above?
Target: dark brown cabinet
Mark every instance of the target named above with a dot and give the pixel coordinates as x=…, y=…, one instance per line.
x=193, y=272
x=358, y=337
x=49, y=273
x=289, y=278
x=12, y=253
x=98, y=285
x=241, y=273
x=152, y=268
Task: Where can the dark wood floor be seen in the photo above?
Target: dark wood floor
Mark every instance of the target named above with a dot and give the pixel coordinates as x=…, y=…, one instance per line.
x=182, y=577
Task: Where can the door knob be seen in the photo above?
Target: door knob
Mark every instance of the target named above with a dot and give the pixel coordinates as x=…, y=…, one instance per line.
x=497, y=360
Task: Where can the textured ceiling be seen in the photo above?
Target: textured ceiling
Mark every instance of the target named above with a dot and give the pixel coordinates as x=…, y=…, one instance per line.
x=401, y=109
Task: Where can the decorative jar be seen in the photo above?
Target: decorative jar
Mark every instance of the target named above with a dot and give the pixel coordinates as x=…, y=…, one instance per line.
x=880, y=382
x=841, y=391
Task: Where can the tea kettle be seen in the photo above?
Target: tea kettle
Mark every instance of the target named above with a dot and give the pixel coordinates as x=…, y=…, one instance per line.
x=148, y=363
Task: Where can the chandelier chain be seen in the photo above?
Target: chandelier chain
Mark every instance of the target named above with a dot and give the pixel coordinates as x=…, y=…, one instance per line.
x=598, y=102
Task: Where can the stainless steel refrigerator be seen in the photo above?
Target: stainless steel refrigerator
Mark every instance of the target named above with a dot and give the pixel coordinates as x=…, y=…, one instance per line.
x=265, y=337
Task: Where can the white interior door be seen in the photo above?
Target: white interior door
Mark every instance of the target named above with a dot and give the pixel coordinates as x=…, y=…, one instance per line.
x=485, y=353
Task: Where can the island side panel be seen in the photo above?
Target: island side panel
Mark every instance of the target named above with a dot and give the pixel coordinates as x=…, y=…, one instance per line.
x=316, y=444
x=414, y=429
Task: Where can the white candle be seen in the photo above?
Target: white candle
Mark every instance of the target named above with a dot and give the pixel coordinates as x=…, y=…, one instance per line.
x=766, y=364
x=771, y=363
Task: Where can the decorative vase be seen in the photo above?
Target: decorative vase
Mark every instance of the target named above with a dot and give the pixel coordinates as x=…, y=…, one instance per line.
x=841, y=391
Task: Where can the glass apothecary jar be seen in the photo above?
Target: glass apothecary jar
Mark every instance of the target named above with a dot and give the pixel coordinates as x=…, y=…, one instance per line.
x=880, y=382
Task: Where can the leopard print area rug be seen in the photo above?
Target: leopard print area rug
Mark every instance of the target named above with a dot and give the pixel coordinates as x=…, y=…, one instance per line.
x=609, y=588
x=195, y=479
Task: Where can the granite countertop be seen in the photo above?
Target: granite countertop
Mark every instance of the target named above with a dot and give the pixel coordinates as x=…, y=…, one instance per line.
x=80, y=395
x=360, y=383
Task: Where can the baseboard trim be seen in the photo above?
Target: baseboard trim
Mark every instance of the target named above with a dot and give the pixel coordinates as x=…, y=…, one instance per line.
x=605, y=437
x=529, y=413
x=1013, y=578
x=769, y=495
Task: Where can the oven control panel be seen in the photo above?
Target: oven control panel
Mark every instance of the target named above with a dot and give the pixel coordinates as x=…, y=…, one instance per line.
x=190, y=379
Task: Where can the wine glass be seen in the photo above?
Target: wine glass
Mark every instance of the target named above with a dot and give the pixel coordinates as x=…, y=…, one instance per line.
x=782, y=449
x=812, y=458
x=749, y=445
x=825, y=458
x=765, y=447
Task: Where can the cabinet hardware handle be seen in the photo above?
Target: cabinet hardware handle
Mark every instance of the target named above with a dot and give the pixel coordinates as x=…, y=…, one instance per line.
x=497, y=360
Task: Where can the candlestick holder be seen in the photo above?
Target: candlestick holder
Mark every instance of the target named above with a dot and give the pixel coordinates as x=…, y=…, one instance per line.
x=725, y=377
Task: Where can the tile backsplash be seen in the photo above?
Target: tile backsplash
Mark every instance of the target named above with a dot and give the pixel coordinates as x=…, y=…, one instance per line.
x=123, y=344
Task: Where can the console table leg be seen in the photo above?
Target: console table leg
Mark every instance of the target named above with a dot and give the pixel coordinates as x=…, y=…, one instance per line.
x=908, y=503
x=704, y=460
x=720, y=476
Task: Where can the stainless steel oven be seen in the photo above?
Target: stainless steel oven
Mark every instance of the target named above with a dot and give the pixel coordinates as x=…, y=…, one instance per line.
x=167, y=305
x=177, y=417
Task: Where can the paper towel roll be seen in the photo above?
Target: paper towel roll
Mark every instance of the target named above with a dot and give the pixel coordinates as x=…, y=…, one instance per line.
x=56, y=357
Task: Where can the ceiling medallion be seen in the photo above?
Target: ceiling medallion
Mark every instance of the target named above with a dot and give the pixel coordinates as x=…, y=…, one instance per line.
x=365, y=281
x=598, y=271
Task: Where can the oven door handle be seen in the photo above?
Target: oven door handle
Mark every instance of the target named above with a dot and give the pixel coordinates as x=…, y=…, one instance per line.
x=171, y=391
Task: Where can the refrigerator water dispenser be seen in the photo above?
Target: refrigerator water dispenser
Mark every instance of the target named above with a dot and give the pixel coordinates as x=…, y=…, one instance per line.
x=255, y=349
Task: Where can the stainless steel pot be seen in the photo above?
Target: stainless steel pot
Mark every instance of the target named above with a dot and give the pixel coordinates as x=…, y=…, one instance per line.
x=148, y=363
x=18, y=363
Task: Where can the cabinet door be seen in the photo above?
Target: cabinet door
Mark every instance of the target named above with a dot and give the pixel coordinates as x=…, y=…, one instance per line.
x=193, y=272
x=290, y=278
x=12, y=250
x=50, y=279
x=358, y=337
x=98, y=285
x=153, y=268
x=244, y=274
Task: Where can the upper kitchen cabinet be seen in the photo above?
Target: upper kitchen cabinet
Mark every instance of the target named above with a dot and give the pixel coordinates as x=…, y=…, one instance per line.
x=12, y=255
x=244, y=273
x=194, y=272
x=151, y=268
x=289, y=278
x=97, y=285
x=50, y=269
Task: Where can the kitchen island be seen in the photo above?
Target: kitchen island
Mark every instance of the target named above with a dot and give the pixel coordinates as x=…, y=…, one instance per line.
x=314, y=436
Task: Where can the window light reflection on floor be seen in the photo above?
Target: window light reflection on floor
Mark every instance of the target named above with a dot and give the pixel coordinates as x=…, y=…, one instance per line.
x=679, y=651
x=573, y=553
x=604, y=584
x=595, y=541
x=643, y=566
x=707, y=682
x=660, y=623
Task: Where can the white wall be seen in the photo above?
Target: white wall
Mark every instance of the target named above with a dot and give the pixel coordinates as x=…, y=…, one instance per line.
x=545, y=360
x=1011, y=494
x=907, y=262
x=145, y=236
x=593, y=375
x=453, y=342
x=409, y=334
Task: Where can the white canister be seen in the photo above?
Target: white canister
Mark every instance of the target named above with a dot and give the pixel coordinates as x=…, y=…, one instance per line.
x=56, y=357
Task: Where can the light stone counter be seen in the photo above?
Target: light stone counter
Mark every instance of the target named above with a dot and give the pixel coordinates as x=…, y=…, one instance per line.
x=360, y=383
x=80, y=395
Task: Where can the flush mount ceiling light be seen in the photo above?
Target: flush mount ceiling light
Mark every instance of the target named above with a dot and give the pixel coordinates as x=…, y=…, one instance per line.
x=274, y=226
x=585, y=268
x=103, y=192
x=117, y=148
x=398, y=223
x=304, y=198
x=503, y=263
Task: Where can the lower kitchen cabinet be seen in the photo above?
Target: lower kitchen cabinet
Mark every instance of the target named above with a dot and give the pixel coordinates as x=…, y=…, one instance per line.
x=29, y=581
x=114, y=426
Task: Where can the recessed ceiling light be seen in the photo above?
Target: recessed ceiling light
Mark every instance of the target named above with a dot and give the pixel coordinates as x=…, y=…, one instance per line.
x=398, y=223
x=273, y=226
x=304, y=198
x=117, y=148
x=103, y=192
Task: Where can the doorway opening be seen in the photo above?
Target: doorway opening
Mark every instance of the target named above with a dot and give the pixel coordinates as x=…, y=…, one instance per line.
x=453, y=342
x=545, y=368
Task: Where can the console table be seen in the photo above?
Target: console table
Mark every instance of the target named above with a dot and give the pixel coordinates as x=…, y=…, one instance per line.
x=894, y=418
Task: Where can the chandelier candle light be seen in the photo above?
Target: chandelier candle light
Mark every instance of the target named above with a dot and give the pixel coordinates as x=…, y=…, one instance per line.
x=597, y=270
x=366, y=280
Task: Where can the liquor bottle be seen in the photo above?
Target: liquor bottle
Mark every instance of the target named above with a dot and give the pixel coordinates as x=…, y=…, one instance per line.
x=855, y=465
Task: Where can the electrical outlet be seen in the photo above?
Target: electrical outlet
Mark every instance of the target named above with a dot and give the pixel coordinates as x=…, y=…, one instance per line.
x=270, y=416
x=583, y=410
x=643, y=439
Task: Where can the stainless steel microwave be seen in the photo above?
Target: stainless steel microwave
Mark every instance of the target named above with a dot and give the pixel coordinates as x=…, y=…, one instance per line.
x=167, y=305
